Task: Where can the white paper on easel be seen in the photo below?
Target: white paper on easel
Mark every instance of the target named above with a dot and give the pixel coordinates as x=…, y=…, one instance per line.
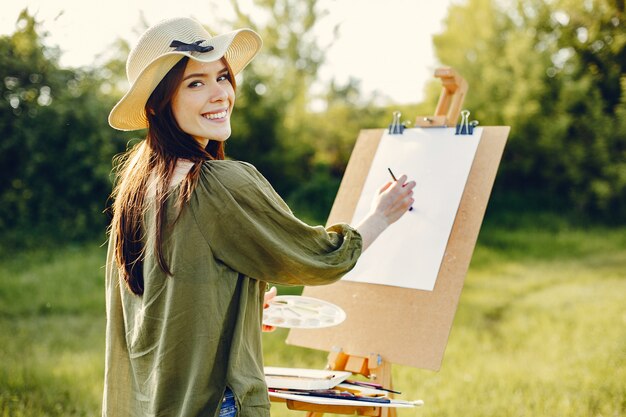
x=409, y=253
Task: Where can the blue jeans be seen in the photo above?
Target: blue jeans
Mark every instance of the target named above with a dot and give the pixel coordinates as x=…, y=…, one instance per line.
x=229, y=407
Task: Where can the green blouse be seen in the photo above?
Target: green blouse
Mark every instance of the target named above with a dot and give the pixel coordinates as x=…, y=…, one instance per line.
x=173, y=351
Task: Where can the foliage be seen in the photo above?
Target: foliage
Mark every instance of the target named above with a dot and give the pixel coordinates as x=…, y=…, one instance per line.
x=555, y=71
x=56, y=147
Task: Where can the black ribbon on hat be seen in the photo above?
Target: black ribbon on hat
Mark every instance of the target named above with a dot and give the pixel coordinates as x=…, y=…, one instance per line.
x=193, y=47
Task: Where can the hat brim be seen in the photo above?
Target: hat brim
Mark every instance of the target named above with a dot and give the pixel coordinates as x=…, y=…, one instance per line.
x=238, y=48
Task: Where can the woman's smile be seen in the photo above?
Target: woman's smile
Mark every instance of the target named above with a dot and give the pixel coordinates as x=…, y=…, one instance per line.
x=216, y=116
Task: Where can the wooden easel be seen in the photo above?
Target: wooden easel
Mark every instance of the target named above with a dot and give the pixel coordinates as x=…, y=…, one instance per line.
x=373, y=367
x=454, y=88
x=418, y=343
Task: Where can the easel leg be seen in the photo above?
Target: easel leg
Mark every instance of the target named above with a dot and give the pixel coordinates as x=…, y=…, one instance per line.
x=388, y=412
x=380, y=373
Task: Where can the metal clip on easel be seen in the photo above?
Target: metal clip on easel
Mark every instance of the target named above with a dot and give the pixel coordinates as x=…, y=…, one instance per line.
x=396, y=127
x=466, y=127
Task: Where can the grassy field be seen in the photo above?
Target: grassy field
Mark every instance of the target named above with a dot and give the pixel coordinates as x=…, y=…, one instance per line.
x=540, y=331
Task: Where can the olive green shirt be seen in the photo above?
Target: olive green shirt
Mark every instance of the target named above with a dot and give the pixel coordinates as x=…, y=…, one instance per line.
x=174, y=350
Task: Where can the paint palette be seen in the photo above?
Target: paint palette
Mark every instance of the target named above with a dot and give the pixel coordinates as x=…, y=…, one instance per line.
x=292, y=311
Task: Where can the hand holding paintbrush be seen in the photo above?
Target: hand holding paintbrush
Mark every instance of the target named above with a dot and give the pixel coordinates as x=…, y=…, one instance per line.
x=391, y=202
x=394, y=178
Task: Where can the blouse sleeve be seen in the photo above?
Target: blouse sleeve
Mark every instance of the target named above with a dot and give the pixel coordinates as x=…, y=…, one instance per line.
x=250, y=229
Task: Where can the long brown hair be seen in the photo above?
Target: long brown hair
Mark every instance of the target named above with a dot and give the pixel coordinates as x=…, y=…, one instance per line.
x=155, y=157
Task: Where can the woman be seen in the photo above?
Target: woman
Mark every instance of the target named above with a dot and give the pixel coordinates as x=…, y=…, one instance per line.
x=195, y=238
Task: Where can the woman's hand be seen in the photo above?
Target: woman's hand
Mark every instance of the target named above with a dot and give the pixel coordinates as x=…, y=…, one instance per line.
x=392, y=201
x=271, y=293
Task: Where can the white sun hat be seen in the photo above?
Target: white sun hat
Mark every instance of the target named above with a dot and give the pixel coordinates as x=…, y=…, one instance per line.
x=161, y=47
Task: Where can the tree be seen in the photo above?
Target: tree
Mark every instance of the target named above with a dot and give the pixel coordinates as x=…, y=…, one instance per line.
x=56, y=146
x=551, y=70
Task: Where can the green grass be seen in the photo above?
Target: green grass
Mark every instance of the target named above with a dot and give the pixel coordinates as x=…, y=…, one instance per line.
x=540, y=330
x=51, y=332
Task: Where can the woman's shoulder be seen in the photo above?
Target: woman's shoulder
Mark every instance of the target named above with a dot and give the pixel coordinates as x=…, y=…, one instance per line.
x=229, y=167
x=231, y=173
